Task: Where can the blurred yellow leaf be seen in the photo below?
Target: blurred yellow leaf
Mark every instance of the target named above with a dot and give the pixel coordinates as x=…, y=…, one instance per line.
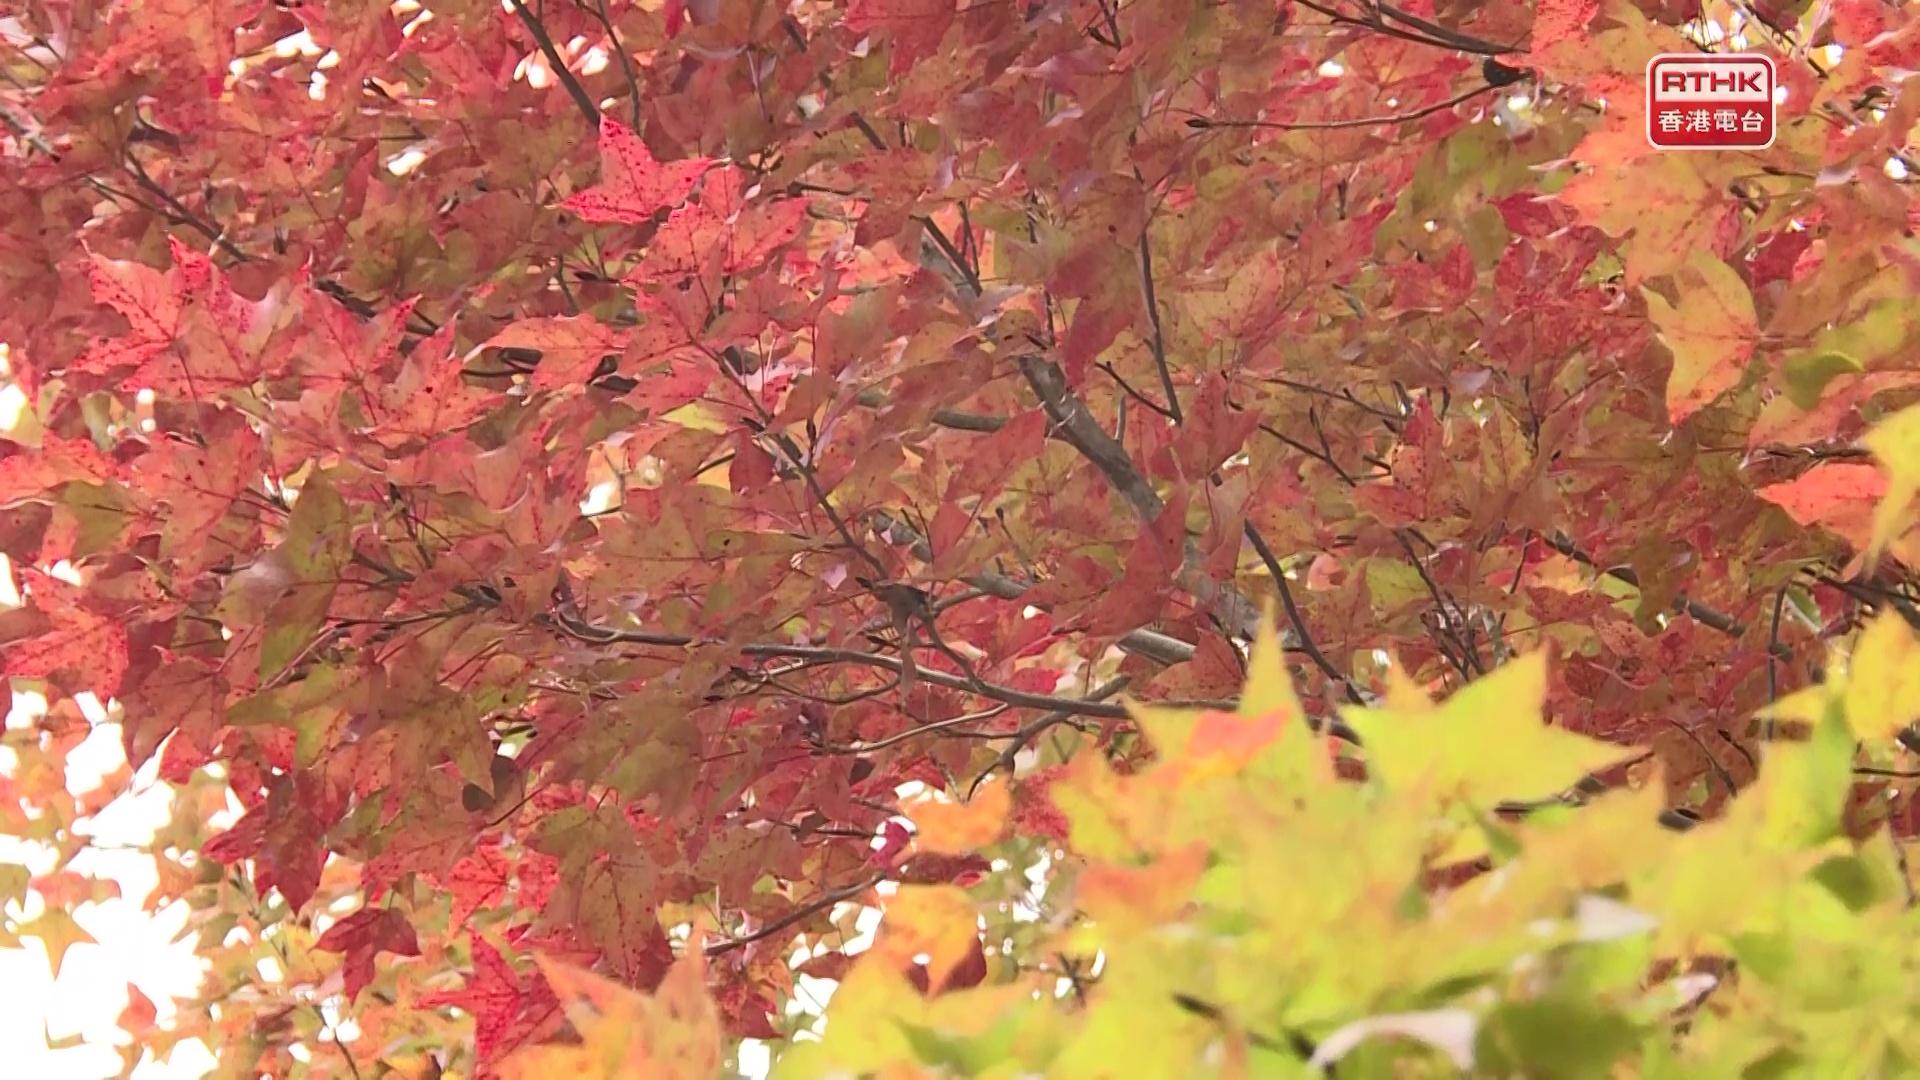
x=57, y=930
x=672, y=1035
x=1896, y=442
x=937, y=920
x=1883, y=679
x=1486, y=743
x=1141, y=895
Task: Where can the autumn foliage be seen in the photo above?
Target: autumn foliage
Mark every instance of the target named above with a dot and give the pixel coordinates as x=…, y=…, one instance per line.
x=585, y=503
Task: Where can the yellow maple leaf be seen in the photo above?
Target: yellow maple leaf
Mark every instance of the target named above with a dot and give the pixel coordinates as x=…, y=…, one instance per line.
x=1895, y=441
x=1711, y=332
x=1485, y=743
x=672, y=1035
x=57, y=931
x=1883, y=679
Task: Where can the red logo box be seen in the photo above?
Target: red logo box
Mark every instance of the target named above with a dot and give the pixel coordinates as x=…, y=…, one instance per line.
x=1701, y=101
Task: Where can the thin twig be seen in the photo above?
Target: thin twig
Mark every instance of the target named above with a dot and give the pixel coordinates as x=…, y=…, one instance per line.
x=560, y=71
x=185, y=216
x=580, y=630
x=1708, y=616
x=1153, y=318
x=914, y=732
x=805, y=911
x=1295, y=617
x=1773, y=641
x=626, y=64
x=1205, y=123
x=1034, y=729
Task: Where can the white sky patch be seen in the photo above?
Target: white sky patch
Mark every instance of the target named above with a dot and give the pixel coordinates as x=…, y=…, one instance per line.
x=601, y=497
x=297, y=44
x=406, y=161
x=13, y=406
x=131, y=946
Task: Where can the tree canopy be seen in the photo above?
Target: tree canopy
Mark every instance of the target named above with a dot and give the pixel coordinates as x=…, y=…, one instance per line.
x=615, y=493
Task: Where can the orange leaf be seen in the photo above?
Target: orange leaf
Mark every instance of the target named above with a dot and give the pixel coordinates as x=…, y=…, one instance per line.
x=1835, y=495
x=955, y=828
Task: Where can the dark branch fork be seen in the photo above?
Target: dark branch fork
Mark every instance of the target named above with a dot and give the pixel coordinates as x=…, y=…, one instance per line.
x=577, y=628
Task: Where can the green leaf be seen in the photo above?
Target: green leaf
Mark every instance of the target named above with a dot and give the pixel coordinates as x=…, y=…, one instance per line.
x=1554, y=1037
x=1864, y=343
x=1801, y=796
x=13, y=882
x=57, y=931
x=1855, y=882
x=1807, y=374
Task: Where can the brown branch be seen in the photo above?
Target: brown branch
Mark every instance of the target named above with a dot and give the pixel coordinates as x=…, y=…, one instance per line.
x=1453, y=617
x=1433, y=34
x=626, y=69
x=1583, y=791
x=1203, y=123
x=541, y=38
x=929, y=728
x=1037, y=727
x=1148, y=643
x=1075, y=425
x=805, y=911
x=1463, y=41
x=182, y=214
x=1159, y=334
x=1701, y=613
x=1773, y=640
x=1895, y=774
x=581, y=630
x=1297, y=618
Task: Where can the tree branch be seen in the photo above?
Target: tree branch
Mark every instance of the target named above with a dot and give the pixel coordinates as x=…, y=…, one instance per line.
x=1432, y=34
x=1204, y=123
x=805, y=911
x=580, y=630
x=560, y=71
x=626, y=69
x=1701, y=613
x=1078, y=428
x=1159, y=334
x=1298, y=619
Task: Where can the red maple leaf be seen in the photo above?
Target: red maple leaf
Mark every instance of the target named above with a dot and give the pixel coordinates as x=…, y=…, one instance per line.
x=282, y=834
x=633, y=186
x=478, y=880
x=364, y=934
x=429, y=397
x=570, y=347
x=188, y=332
x=146, y=298
x=83, y=650
x=508, y=1012
x=57, y=460
x=723, y=231
x=914, y=26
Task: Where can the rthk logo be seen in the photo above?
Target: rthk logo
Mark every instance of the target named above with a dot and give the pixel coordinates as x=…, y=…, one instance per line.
x=1697, y=101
